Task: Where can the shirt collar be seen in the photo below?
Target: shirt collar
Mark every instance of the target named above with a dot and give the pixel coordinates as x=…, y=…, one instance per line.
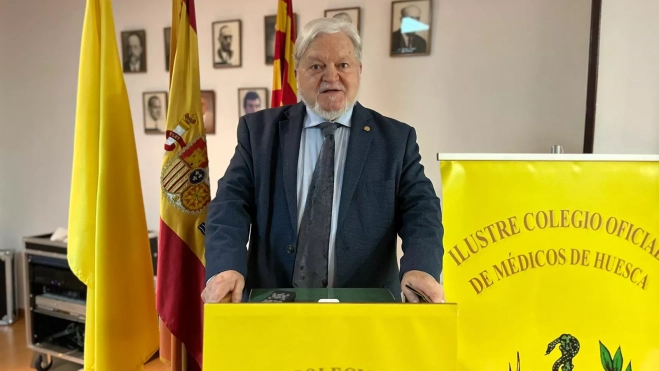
x=314, y=120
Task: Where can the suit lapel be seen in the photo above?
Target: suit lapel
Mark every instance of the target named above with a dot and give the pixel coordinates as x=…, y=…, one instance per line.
x=358, y=146
x=290, y=132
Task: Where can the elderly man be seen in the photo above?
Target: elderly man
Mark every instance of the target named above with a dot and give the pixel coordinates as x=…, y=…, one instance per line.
x=407, y=41
x=224, y=52
x=134, y=61
x=155, y=113
x=324, y=187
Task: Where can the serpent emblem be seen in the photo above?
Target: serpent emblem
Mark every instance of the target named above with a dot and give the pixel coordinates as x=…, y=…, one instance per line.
x=569, y=347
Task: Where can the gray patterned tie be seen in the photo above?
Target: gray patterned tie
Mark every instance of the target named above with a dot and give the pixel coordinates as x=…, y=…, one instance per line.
x=311, y=258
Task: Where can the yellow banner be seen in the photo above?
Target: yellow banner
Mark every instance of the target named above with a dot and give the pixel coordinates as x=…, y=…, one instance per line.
x=554, y=264
x=330, y=337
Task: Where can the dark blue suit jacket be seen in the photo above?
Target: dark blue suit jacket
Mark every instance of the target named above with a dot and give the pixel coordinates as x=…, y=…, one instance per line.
x=385, y=192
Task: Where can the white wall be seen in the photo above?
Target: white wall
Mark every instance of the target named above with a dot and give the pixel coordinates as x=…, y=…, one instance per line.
x=627, y=116
x=4, y=163
x=38, y=81
x=503, y=76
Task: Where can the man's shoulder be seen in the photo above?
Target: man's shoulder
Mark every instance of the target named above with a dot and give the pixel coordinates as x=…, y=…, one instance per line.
x=419, y=38
x=386, y=122
x=269, y=117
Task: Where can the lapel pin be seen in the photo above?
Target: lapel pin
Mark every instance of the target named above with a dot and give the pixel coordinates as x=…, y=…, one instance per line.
x=367, y=128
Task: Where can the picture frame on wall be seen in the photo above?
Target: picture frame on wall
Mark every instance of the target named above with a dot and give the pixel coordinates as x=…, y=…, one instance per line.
x=411, y=27
x=208, y=110
x=269, y=36
x=167, y=38
x=352, y=15
x=155, y=112
x=251, y=100
x=227, y=44
x=133, y=47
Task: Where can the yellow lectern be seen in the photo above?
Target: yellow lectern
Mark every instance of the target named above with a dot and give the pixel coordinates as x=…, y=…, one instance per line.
x=330, y=337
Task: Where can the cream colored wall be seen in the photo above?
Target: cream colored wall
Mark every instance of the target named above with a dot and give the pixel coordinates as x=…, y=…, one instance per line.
x=627, y=118
x=503, y=76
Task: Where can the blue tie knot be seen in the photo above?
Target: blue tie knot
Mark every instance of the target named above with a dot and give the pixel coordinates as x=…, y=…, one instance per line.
x=328, y=128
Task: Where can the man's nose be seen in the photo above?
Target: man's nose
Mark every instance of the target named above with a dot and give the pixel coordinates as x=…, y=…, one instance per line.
x=331, y=73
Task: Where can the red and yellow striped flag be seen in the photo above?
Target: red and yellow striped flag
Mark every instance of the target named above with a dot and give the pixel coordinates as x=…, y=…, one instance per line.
x=284, y=85
x=185, y=194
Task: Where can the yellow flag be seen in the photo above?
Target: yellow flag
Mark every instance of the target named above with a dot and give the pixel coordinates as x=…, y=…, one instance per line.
x=108, y=247
x=554, y=264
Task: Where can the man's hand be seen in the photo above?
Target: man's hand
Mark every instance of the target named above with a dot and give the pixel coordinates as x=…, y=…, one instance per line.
x=219, y=286
x=425, y=284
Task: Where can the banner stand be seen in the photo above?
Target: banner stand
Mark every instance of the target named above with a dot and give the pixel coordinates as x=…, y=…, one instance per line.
x=553, y=259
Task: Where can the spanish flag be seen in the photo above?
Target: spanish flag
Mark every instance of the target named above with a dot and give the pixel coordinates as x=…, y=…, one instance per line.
x=284, y=84
x=108, y=246
x=185, y=194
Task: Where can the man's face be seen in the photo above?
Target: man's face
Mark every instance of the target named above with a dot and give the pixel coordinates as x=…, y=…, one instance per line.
x=411, y=12
x=328, y=73
x=134, y=47
x=252, y=105
x=155, y=108
x=225, y=38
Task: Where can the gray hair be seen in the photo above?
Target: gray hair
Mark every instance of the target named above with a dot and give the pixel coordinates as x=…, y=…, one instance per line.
x=326, y=26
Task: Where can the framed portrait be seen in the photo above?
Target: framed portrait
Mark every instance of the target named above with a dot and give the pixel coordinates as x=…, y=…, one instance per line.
x=351, y=15
x=133, y=47
x=208, y=110
x=168, y=35
x=227, y=44
x=251, y=100
x=411, y=23
x=155, y=111
x=269, y=36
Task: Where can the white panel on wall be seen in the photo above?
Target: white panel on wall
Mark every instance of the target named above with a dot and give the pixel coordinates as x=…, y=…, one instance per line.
x=37, y=113
x=504, y=76
x=627, y=115
x=5, y=177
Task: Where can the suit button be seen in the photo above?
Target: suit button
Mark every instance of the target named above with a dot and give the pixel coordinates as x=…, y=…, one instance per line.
x=289, y=249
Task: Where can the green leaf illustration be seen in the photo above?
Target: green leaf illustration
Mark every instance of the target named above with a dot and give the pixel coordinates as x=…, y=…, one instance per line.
x=629, y=366
x=607, y=362
x=617, y=360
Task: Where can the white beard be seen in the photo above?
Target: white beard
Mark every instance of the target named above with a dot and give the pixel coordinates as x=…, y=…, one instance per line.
x=328, y=115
